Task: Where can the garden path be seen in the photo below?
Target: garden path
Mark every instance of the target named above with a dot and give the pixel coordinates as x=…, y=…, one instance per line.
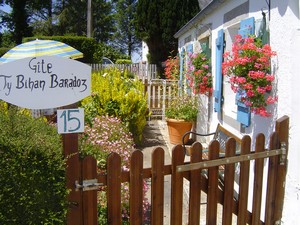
x=156, y=135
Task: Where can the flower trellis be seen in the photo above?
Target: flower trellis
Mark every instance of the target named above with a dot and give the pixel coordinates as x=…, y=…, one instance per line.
x=248, y=69
x=198, y=74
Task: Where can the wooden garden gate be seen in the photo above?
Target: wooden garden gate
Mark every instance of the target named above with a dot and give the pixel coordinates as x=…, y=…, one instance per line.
x=213, y=177
x=160, y=92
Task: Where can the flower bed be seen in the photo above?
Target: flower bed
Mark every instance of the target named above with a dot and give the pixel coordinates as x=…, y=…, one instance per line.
x=107, y=135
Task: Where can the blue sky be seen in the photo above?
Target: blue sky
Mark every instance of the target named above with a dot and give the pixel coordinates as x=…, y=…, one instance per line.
x=5, y=8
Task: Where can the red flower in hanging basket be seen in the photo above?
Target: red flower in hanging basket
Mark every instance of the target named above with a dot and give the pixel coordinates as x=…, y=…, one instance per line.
x=248, y=69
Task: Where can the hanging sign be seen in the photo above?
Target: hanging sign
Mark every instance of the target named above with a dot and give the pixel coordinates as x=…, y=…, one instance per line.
x=44, y=82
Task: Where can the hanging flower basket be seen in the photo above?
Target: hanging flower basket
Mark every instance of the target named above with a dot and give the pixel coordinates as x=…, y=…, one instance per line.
x=199, y=74
x=248, y=69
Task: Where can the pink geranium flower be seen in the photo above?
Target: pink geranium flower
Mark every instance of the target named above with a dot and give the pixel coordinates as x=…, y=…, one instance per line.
x=199, y=74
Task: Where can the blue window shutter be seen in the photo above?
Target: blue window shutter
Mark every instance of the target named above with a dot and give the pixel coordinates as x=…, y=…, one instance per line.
x=189, y=49
x=219, y=77
x=246, y=27
x=243, y=111
x=181, y=63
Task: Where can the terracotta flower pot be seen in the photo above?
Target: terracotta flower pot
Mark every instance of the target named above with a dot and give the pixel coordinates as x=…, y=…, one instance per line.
x=177, y=128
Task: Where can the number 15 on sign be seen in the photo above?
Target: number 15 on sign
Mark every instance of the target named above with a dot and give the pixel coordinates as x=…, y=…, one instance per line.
x=70, y=121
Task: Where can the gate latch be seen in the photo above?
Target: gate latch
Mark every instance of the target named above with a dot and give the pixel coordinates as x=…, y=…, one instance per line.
x=87, y=185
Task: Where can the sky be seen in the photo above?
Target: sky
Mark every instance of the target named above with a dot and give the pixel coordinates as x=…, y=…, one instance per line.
x=5, y=8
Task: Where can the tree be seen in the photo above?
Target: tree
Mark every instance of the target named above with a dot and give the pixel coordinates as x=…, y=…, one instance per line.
x=112, y=20
x=71, y=17
x=18, y=20
x=158, y=20
x=125, y=37
x=103, y=21
x=42, y=17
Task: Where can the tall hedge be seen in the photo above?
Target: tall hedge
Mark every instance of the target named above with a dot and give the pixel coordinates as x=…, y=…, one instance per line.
x=32, y=171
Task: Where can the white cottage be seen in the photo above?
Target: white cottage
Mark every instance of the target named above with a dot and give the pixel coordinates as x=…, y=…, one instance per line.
x=212, y=30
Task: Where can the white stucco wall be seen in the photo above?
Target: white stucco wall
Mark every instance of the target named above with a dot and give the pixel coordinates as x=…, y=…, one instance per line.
x=285, y=40
x=145, y=52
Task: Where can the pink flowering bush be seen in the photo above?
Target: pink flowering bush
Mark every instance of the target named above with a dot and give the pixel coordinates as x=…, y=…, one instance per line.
x=248, y=69
x=199, y=74
x=107, y=135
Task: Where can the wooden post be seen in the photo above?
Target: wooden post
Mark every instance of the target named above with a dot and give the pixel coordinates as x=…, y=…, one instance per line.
x=70, y=145
x=282, y=128
x=73, y=173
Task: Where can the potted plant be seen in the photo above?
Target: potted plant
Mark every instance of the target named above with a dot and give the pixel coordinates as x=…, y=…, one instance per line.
x=181, y=114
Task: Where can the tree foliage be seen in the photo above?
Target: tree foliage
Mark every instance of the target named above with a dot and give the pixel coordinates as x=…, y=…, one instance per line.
x=125, y=37
x=118, y=23
x=158, y=20
x=71, y=20
x=103, y=21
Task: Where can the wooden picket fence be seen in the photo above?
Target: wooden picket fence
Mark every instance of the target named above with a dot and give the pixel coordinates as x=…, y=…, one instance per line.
x=142, y=70
x=214, y=176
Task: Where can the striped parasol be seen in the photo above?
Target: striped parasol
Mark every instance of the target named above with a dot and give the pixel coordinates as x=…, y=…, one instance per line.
x=41, y=48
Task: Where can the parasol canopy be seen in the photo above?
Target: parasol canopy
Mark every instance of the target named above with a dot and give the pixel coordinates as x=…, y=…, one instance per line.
x=41, y=48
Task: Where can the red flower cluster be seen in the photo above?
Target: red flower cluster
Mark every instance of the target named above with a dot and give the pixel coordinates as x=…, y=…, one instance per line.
x=172, y=68
x=248, y=69
x=199, y=74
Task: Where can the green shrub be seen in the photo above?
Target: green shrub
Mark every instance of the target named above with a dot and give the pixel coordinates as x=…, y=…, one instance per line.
x=104, y=50
x=114, y=94
x=32, y=171
x=3, y=50
x=123, y=61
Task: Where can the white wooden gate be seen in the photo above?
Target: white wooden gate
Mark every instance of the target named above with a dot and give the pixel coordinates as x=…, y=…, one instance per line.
x=160, y=94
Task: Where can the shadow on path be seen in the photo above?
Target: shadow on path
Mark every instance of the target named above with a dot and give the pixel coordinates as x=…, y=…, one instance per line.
x=152, y=136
